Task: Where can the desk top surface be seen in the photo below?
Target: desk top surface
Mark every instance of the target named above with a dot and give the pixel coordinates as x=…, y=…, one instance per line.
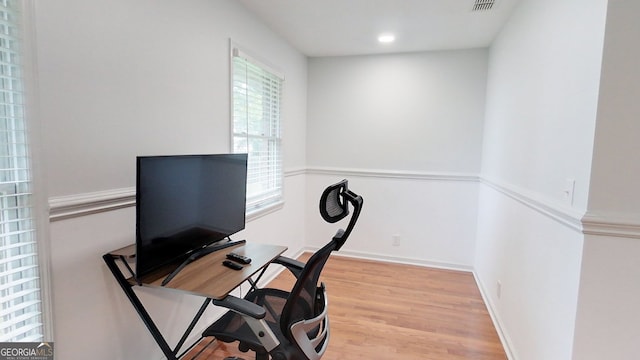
x=207, y=276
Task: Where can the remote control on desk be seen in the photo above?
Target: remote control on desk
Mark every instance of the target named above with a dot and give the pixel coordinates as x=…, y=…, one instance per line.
x=239, y=258
x=232, y=265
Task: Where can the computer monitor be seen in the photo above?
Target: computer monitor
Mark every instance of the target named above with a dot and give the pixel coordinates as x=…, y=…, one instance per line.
x=185, y=203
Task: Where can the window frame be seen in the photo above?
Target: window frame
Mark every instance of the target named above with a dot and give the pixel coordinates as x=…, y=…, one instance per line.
x=275, y=199
x=39, y=201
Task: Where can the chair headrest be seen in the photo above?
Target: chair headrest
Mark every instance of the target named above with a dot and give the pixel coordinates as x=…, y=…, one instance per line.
x=334, y=206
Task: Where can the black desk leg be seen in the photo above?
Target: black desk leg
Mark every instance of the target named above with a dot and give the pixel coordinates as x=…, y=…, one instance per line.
x=144, y=315
x=206, y=303
x=254, y=283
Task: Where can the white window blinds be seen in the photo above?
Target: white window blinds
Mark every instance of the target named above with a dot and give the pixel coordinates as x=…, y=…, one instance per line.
x=256, y=123
x=20, y=304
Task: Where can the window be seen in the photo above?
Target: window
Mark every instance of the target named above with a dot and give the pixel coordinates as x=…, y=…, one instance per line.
x=256, y=127
x=20, y=295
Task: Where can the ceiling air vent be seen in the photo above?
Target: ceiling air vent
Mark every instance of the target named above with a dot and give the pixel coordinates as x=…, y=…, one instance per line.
x=483, y=5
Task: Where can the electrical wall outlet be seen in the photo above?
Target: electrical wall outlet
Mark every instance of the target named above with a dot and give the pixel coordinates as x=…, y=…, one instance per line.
x=395, y=240
x=499, y=288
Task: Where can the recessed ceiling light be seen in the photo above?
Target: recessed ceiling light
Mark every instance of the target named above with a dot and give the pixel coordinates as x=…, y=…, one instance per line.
x=386, y=38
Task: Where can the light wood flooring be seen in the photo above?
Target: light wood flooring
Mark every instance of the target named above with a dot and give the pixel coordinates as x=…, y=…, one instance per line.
x=383, y=311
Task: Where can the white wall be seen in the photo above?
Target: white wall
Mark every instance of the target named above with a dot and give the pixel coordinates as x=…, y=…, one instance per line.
x=544, y=73
x=146, y=77
x=402, y=112
x=615, y=183
x=608, y=317
x=434, y=218
x=543, y=90
x=537, y=262
x=406, y=130
x=124, y=78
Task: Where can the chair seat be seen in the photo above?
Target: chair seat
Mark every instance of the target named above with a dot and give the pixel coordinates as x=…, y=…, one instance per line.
x=232, y=327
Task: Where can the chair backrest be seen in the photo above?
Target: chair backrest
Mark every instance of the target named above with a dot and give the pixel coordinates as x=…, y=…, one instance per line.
x=306, y=300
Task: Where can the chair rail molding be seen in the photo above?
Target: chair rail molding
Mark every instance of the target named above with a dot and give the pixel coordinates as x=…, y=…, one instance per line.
x=394, y=174
x=590, y=223
x=77, y=205
x=613, y=224
x=70, y=206
x=564, y=215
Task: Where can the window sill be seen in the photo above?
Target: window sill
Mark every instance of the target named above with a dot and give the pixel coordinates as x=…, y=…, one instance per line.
x=263, y=211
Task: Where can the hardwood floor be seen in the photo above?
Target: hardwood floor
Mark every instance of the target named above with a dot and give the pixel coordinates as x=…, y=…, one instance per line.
x=383, y=311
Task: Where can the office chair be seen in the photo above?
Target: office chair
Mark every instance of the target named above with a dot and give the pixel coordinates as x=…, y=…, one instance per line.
x=290, y=325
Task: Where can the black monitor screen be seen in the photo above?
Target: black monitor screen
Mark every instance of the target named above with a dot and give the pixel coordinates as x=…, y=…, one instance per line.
x=186, y=202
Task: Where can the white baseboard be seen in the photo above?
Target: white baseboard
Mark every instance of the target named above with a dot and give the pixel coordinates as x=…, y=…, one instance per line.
x=399, y=260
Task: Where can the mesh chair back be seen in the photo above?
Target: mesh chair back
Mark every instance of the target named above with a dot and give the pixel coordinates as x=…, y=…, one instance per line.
x=333, y=207
x=306, y=300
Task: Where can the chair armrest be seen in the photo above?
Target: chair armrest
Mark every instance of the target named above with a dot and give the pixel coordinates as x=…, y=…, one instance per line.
x=292, y=265
x=241, y=306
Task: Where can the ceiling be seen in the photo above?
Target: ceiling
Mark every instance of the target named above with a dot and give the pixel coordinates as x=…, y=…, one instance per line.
x=351, y=27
